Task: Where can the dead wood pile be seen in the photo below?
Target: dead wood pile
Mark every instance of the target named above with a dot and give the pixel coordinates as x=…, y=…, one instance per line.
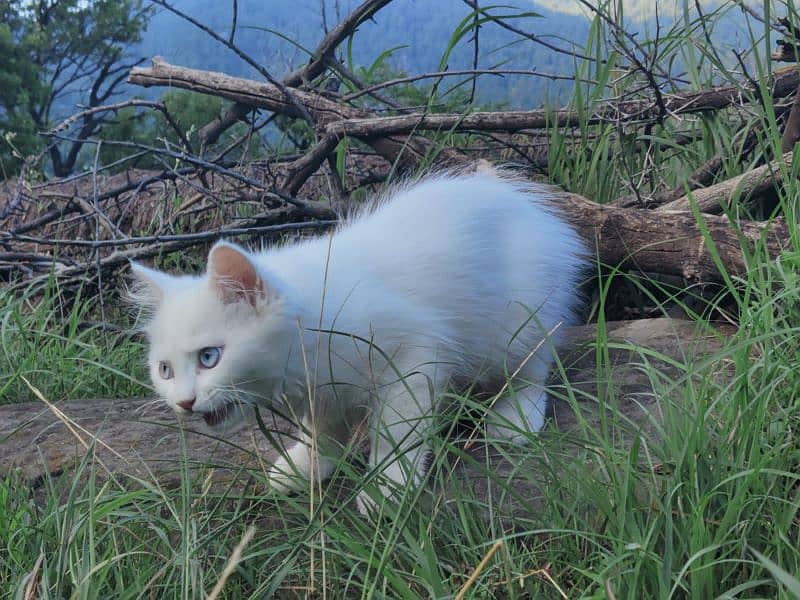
x=89, y=225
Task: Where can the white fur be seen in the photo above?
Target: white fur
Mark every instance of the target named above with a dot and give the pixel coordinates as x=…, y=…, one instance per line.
x=453, y=277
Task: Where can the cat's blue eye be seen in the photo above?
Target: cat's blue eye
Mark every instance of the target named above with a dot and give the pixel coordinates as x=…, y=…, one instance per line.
x=208, y=358
x=165, y=370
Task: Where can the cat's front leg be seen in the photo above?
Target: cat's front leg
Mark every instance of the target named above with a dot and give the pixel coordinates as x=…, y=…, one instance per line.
x=303, y=462
x=398, y=440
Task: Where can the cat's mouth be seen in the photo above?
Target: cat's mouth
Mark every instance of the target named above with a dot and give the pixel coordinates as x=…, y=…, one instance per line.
x=218, y=416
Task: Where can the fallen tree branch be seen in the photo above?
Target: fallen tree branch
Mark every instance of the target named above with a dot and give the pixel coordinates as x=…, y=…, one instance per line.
x=499, y=72
x=334, y=118
x=406, y=152
x=671, y=242
x=332, y=40
x=287, y=94
x=752, y=183
x=301, y=169
x=255, y=94
x=630, y=112
x=211, y=132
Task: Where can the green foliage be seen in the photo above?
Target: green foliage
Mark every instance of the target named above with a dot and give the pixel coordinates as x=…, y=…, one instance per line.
x=63, y=351
x=18, y=88
x=57, y=54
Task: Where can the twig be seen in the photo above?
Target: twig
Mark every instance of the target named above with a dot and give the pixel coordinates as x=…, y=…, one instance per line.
x=478, y=570
x=791, y=132
x=332, y=40
x=287, y=94
x=327, y=112
x=210, y=133
x=457, y=73
x=300, y=170
x=310, y=208
x=407, y=153
x=200, y=236
x=753, y=182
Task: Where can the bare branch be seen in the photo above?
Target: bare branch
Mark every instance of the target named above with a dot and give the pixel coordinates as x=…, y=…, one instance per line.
x=407, y=152
x=197, y=237
x=752, y=183
x=457, y=73
x=331, y=41
x=210, y=133
x=284, y=90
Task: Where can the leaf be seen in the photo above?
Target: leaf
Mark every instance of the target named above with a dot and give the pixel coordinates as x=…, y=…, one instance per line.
x=790, y=582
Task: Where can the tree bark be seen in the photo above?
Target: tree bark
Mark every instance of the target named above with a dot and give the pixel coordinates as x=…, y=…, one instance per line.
x=671, y=242
x=752, y=183
x=407, y=153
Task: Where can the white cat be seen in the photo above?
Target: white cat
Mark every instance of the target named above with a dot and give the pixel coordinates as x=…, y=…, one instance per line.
x=465, y=277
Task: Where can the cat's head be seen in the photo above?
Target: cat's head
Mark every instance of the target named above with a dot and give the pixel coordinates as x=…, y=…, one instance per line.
x=219, y=342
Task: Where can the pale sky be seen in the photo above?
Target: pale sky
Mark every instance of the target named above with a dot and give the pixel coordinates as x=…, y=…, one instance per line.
x=637, y=10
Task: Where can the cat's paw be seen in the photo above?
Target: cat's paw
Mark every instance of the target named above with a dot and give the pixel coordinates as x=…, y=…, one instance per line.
x=284, y=478
x=367, y=505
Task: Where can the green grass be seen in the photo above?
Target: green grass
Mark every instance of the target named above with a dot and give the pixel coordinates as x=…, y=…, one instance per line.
x=64, y=350
x=705, y=503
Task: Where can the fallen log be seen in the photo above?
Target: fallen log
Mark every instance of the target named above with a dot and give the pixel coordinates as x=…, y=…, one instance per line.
x=747, y=185
x=673, y=243
x=140, y=439
x=653, y=241
x=333, y=117
x=407, y=152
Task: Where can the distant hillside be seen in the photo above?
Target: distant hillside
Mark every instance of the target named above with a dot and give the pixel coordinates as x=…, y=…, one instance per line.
x=420, y=31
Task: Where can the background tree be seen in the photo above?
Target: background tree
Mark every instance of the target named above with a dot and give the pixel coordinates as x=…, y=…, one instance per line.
x=189, y=111
x=59, y=53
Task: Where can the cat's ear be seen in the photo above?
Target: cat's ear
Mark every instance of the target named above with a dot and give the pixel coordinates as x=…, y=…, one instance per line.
x=149, y=286
x=234, y=275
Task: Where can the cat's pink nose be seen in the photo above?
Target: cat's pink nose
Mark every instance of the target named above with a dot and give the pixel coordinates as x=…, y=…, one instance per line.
x=186, y=404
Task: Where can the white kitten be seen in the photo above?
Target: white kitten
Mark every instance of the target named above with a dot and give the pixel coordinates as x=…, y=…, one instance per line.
x=454, y=277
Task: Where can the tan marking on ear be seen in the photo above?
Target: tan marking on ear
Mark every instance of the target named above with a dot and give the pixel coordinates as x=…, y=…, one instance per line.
x=235, y=276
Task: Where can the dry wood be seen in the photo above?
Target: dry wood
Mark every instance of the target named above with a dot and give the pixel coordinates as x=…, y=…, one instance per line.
x=406, y=152
x=628, y=112
x=747, y=185
x=343, y=120
x=791, y=132
x=651, y=241
x=246, y=91
x=702, y=177
x=671, y=242
x=333, y=118
x=140, y=438
x=210, y=132
x=331, y=41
